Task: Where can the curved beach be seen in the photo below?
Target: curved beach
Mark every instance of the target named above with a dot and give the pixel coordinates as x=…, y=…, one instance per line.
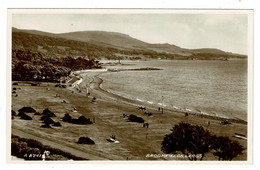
x=96, y=86
x=106, y=112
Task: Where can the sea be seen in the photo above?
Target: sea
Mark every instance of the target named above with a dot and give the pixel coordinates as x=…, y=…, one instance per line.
x=211, y=87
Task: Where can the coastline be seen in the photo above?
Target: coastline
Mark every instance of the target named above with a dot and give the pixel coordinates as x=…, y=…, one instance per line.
x=135, y=141
x=152, y=105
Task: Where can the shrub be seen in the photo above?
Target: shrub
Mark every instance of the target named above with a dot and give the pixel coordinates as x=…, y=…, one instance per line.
x=48, y=120
x=57, y=124
x=86, y=140
x=20, y=147
x=134, y=118
x=46, y=125
x=49, y=113
x=187, y=139
x=26, y=110
x=15, y=148
x=33, y=154
x=194, y=140
x=66, y=118
x=37, y=113
x=25, y=116
x=81, y=120
x=13, y=113
x=225, y=148
x=32, y=143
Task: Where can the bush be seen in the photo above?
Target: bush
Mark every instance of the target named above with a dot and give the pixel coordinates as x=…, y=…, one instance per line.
x=13, y=113
x=134, y=118
x=194, y=140
x=225, y=148
x=15, y=148
x=66, y=118
x=32, y=143
x=37, y=113
x=81, y=120
x=57, y=124
x=188, y=139
x=86, y=140
x=48, y=120
x=49, y=113
x=33, y=154
x=46, y=125
x=24, y=116
x=26, y=110
x=20, y=147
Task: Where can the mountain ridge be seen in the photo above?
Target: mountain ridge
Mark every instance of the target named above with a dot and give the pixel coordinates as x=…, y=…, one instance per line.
x=125, y=42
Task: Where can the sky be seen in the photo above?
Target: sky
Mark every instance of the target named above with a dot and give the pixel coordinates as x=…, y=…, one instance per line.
x=227, y=31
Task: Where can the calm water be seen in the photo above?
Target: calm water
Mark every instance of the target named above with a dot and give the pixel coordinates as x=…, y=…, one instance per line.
x=209, y=87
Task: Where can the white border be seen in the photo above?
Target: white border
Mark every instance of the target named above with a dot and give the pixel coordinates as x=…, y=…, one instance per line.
x=184, y=4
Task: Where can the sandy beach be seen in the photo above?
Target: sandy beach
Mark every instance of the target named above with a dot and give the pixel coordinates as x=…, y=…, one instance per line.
x=135, y=141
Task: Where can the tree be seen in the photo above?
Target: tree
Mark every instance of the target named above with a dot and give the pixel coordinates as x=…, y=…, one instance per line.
x=225, y=148
x=192, y=141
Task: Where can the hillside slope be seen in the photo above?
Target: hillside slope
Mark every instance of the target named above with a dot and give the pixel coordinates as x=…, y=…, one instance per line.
x=111, y=45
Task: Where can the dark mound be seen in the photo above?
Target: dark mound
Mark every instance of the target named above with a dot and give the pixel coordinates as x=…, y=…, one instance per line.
x=48, y=120
x=26, y=110
x=13, y=113
x=134, y=118
x=85, y=140
x=49, y=113
x=24, y=116
x=46, y=125
x=37, y=113
x=57, y=124
x=44, y=117
x=67, y=118
x=82, y=120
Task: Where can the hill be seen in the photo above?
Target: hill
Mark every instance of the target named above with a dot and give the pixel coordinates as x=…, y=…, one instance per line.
x=110, y=45
x=112, y=39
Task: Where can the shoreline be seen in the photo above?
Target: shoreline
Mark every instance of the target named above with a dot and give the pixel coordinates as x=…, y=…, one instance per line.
x=153, y=105
x=135, y=141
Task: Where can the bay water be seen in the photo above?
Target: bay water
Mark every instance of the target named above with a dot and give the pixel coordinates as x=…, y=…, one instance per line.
x=213, y=87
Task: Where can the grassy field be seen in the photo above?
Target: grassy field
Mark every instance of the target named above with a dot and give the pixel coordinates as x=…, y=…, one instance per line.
x=106, y=112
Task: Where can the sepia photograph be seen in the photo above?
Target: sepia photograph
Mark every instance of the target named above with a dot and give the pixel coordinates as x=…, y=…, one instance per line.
x=130, y=85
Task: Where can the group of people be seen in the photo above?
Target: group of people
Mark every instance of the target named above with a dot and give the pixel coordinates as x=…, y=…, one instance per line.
x=160, y=109
x=145, y=125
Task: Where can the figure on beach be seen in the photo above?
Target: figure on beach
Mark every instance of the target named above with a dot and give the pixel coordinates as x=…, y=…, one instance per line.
x=93, y=100
x=145, y=125
x=141, y=108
